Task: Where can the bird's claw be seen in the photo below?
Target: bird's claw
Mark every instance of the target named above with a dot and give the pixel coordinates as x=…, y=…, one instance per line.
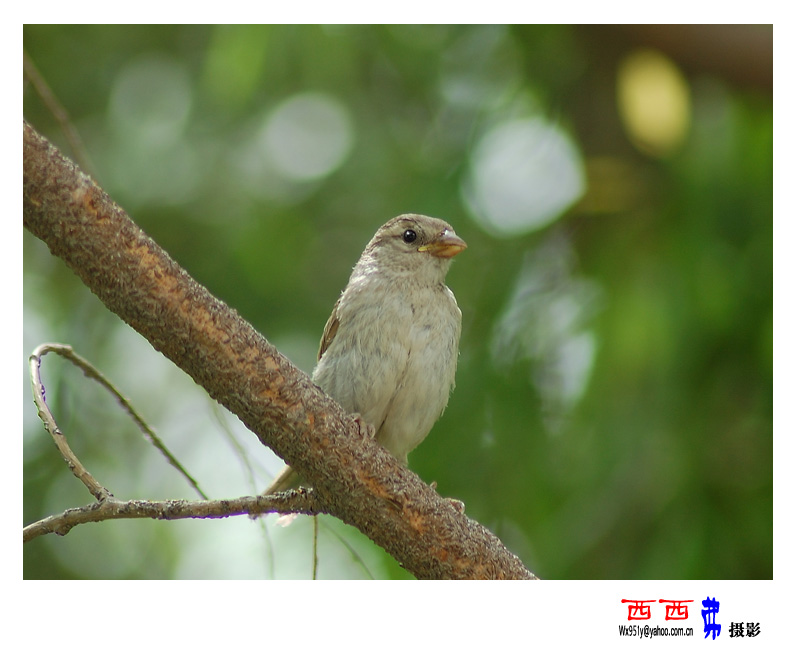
x=459, y=506
x=365, y=429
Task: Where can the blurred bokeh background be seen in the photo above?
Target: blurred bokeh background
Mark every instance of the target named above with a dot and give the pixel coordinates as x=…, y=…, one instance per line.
x=613, y=410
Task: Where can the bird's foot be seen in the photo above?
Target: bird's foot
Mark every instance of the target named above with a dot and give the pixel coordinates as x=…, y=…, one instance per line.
x=458, y=505
x=366, y=429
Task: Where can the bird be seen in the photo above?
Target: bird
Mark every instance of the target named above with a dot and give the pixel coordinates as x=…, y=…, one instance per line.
x=389, y=350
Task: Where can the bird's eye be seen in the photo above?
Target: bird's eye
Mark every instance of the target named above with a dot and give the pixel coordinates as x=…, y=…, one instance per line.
x=409, y=236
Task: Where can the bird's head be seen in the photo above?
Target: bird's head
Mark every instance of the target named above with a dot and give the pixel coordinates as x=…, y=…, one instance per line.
x=414, y=244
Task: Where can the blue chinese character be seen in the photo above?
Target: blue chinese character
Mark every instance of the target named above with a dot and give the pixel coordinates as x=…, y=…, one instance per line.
x=712, y=607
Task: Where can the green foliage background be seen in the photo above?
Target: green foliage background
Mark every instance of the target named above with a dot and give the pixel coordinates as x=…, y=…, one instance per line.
x=613, y=410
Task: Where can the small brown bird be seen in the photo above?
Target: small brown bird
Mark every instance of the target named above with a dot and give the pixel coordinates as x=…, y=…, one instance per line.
x=389, y=349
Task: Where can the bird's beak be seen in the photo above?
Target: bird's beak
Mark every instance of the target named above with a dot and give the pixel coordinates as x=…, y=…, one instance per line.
x=446, y=245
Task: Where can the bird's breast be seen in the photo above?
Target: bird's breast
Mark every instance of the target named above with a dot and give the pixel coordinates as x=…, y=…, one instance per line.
x=393, y=361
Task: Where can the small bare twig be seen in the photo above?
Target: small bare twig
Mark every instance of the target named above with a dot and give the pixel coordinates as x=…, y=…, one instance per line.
x=315, y=548
x=99, y=491
x=302, y=500
x=59, y=113
x=350, y=548
x=107, y=506
x=50, y=425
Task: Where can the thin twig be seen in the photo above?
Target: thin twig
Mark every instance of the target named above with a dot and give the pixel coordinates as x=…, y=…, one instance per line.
x=246, y=462
x=299, y=501
x=50, y=425
x=352, y=550
x=238, y=449
x=59, y=113
x=315, y=547
x=99, y=491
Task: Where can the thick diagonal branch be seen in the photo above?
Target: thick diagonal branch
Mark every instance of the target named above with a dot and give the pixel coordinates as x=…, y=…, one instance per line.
x=355, y=479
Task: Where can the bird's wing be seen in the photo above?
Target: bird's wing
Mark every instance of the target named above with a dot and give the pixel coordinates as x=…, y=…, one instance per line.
x=330, y=329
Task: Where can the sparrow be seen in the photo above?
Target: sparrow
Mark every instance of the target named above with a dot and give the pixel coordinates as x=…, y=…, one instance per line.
x=389, y=350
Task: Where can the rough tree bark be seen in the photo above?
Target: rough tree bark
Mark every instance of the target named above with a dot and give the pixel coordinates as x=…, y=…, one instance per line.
x=355, y=479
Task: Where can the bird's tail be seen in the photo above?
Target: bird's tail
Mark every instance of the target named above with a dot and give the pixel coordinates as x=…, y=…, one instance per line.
x=285, y=480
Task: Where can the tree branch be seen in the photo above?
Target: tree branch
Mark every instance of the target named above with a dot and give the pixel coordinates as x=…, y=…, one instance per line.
x=302, y=500
x=354, y=478
x=51, y=426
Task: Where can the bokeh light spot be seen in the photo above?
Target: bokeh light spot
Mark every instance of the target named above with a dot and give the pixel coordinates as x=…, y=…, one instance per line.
x=654, y=102
x=523, y=174
x=151, y=100
x=308, y=136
